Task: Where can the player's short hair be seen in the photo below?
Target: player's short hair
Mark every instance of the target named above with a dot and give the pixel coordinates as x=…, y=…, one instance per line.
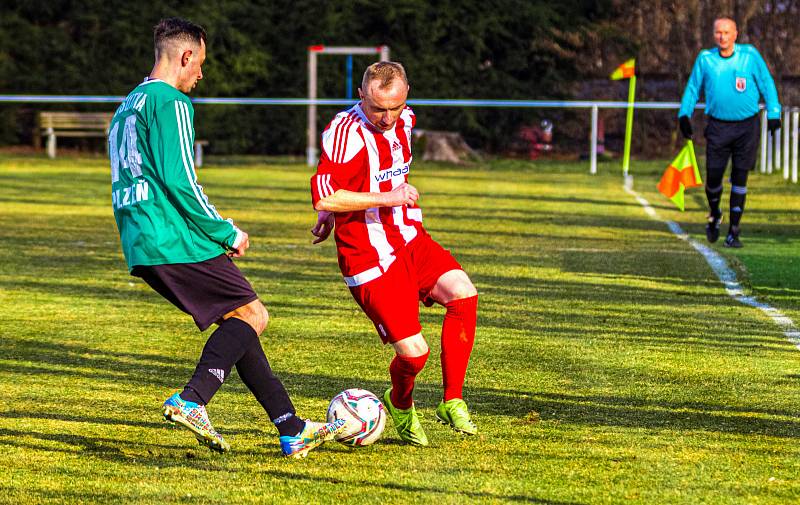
x=171, y=30
x=385, y=72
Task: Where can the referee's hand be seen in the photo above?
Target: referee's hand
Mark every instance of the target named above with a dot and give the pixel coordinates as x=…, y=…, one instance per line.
x=773, y=124
x=686, y=127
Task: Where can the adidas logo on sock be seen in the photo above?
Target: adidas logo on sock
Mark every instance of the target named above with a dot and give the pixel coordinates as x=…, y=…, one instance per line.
x=218, y=373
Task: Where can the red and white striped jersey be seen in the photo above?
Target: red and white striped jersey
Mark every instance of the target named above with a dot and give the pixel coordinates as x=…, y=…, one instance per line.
x=358, y=157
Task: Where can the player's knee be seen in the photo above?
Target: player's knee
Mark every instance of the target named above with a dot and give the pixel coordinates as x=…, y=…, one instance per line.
x=411, y=347
x=463, y=289
x=262, y=318
x=254, y=314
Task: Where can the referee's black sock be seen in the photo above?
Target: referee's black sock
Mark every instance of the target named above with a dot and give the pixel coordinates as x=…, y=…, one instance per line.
x=223, y=349
x=738, y=197
x=268, y=389
x=714, y=195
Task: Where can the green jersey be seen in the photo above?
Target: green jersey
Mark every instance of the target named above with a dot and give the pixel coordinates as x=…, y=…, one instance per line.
x=162, y=214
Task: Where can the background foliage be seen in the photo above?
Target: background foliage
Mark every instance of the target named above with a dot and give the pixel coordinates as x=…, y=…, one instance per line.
x=518, y=49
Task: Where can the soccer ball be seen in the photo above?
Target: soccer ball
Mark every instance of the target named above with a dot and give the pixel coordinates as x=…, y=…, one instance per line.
x=364, y=415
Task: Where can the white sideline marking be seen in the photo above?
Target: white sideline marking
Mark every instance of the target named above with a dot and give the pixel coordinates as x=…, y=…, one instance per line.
x=725, y=274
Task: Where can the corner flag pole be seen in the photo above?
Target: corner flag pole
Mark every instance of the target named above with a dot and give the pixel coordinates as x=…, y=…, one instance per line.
x=627, y=71
x=626, y=158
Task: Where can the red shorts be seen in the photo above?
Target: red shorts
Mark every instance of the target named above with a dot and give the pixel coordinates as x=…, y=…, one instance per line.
x=392, y=300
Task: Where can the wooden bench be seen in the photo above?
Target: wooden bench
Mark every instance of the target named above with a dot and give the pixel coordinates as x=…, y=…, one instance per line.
x=72, y=124
x=87, y=124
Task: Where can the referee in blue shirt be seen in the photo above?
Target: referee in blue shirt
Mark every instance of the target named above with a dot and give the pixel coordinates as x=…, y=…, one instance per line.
x=732, y=77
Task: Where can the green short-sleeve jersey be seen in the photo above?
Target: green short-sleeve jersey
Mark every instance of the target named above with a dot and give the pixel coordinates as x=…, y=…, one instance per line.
x=162, y=213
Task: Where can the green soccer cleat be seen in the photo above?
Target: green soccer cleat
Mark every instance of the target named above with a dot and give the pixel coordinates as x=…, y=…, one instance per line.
x=195, y=418
x=454, y=413
x=406, y=421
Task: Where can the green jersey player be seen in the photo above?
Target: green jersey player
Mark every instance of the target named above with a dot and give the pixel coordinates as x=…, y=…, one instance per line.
x=177, y=242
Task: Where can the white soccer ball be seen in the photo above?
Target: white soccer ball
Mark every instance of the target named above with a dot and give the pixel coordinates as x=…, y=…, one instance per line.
x=364, y=415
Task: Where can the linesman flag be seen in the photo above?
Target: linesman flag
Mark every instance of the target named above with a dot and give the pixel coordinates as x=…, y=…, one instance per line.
x=624, y=71
x=682, y=173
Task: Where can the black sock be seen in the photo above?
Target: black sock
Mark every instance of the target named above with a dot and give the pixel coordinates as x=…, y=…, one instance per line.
x=223, y=349
x=714, y=195
x=268, y=389
x=190, y=395
x=738, y=197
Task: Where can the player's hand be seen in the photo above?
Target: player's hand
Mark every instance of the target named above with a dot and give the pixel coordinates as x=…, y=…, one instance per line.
x=243, y=245
x=686, y=127
x=324, y=226
x=404, y=194
x=773, y=124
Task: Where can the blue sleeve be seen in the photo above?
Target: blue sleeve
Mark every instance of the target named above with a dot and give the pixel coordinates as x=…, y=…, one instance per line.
x=767, y=87
x=692, y=92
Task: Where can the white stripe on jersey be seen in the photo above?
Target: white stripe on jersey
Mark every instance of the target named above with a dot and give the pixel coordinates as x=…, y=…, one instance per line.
x=184, y=135
x=328, y=184
x=363, y=278
x=372, y=218
x=190, y=156
x=324, y=187
x=320, y=189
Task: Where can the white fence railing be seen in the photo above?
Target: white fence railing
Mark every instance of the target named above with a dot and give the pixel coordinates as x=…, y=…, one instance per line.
x=778, y=153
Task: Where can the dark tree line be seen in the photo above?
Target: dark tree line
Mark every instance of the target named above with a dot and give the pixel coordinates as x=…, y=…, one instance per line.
x=517, y=49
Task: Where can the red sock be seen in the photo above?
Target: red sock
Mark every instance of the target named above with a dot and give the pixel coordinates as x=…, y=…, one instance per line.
x=403, y=371
x=458, y=336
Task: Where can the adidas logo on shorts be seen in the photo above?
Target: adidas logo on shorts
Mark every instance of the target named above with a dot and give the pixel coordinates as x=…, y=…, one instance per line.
x=218, y=373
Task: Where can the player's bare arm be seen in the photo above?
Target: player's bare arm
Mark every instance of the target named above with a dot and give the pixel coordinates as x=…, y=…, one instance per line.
x=349, y=201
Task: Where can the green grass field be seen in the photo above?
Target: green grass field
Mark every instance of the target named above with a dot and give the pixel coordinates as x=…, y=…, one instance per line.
x=610, y=365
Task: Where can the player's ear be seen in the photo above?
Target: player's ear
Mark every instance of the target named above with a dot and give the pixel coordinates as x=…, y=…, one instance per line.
x=186, y=57
x=360, y=94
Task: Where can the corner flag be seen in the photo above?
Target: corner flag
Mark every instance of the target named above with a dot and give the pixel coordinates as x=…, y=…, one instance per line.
x=682, y=173
x=624, y=71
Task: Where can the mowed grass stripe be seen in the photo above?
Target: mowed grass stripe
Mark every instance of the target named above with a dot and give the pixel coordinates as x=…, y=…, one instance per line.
x=610, y=365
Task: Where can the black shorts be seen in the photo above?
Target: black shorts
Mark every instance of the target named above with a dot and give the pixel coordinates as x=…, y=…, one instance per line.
x=736, y=140
x=206, y=290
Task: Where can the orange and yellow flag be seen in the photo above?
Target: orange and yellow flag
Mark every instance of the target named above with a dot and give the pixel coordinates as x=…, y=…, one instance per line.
x=682, y=173
x=624, y=71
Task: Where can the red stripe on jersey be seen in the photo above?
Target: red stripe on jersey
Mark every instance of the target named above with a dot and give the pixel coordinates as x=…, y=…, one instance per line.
x=337, y=139
x=346, y=135
x=343, y=137
x=385, y=162
x=400, y=131
x=384, y=151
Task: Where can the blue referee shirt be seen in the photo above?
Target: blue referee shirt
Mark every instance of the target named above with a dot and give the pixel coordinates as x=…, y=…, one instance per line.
x=731, y=85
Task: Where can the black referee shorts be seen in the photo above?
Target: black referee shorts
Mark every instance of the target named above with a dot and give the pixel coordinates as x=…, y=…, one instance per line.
x=206, y=290
x=736, y=140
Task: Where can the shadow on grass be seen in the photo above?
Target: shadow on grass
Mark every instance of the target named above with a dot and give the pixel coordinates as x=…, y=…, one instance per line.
x=449, y=494
x=588, y=409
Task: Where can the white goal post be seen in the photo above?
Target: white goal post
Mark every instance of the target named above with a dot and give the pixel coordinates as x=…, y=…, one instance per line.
x=383, y=52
